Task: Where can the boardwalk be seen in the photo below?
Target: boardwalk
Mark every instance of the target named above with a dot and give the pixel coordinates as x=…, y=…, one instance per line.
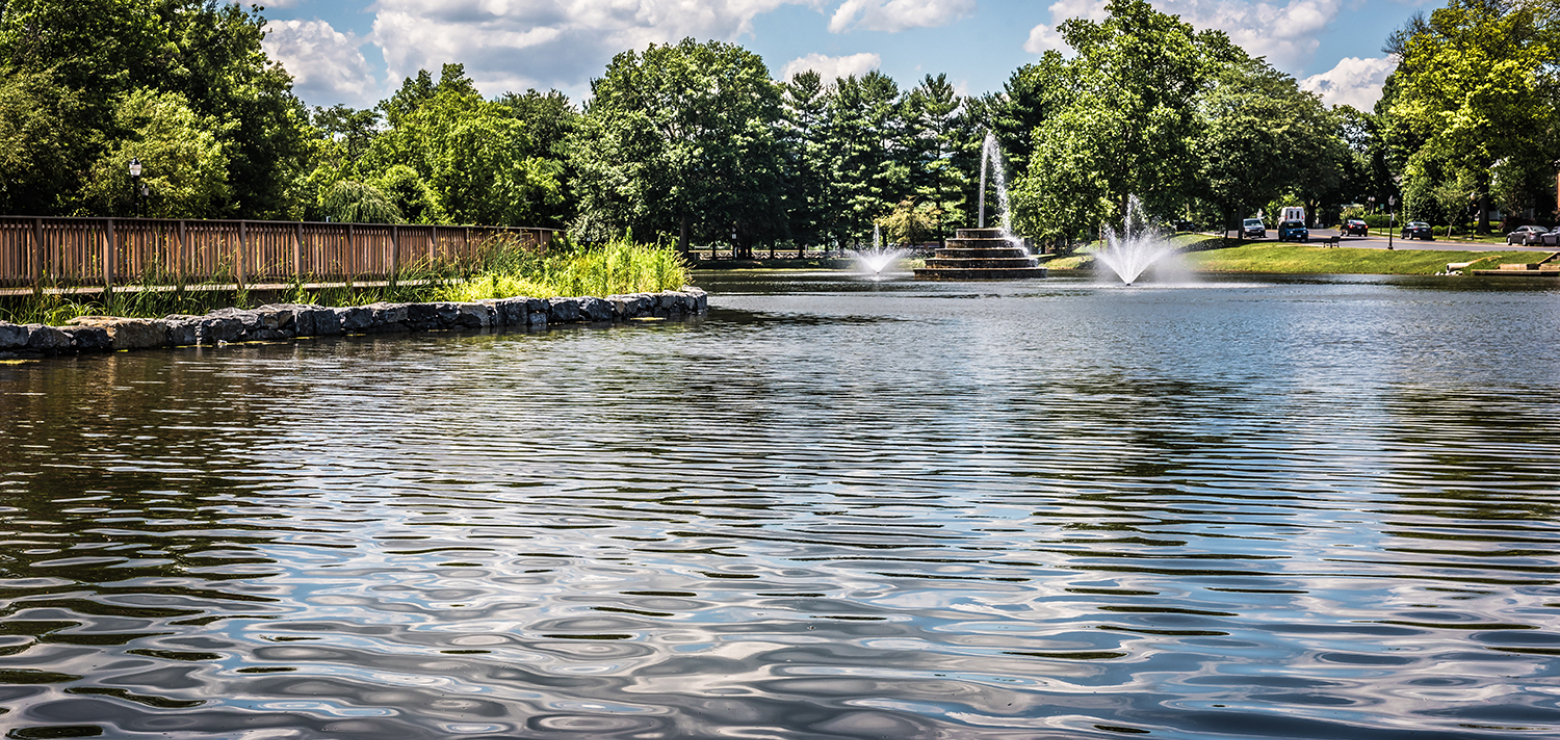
x=90, y=254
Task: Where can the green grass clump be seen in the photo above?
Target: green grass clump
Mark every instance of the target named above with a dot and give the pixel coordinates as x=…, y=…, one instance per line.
x=617, y=267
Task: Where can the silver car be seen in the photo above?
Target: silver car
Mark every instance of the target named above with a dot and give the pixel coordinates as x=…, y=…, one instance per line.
x=1524, y=233
x=1549, y=238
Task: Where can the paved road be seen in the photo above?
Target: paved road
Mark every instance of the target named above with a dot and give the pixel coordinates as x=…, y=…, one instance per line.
x=1443, y=244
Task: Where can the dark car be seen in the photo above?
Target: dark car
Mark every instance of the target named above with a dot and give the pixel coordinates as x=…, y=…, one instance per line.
x=1254, y=228
x=1523, y=233
x=1355, y=227
x=1417, y=230
x=1293, y=231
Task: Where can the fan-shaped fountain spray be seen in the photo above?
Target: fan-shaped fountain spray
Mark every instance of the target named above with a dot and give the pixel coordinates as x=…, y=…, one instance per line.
x=1139, y=245
x=879, y=259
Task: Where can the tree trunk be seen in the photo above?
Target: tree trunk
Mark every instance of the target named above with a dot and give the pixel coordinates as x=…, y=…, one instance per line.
x=682, y=237
x=1484, y=213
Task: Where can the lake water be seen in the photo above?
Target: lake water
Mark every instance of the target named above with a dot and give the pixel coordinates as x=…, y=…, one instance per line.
x=834, y=508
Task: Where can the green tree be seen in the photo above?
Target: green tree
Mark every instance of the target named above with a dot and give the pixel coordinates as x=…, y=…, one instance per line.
x=1032, y=94
x=1477, y=85
x=934, y=109
x=413, y=198
x=863, y=133
x=206, y=51
x=44, y=138
x=1129, y=127
x=471, y=153
x=183, y=157
x=353, y=202
x=809, y=197
x=1262, y=137
x=681, y=140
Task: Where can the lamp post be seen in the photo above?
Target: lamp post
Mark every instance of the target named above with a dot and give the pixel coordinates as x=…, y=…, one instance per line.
x=1391, y=204
x=135, y=184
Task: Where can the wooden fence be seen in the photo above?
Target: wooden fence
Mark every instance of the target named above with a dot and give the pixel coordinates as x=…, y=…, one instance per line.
x=52, y=252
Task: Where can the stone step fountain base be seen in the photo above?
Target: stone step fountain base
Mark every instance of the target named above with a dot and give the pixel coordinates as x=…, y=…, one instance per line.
x=980, y=254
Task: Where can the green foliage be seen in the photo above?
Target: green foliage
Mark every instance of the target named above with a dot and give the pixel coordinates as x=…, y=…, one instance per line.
x=353, y=202
x=910, y=223
x=470, y=155
x=1128, y=126
x=412, y=197
x=184, y=161
x=43, y=139
x=95, y=55
x=1264, y=138
x=680, y=140
x=1476, y=99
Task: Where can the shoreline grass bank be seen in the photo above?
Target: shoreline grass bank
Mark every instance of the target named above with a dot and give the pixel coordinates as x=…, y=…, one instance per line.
x=505, y=269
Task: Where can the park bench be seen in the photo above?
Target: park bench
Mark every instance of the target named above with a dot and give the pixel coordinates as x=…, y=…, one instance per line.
x=1331, y=241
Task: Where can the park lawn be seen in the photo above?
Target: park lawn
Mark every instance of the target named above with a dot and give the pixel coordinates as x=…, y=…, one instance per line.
x=1311, y=258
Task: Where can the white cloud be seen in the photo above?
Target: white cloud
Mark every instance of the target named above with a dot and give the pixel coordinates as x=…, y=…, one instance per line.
x=511, y=45
x=1286, y=33
x=1043, y=38
x=1354, y=81
x=894, y=16
x=326, y=65
x=832, y=68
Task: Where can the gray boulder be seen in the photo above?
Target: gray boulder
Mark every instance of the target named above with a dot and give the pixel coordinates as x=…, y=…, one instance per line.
x=181, y=330
x=474, y=315
x=596, y=309
x=353, y=318
x=124, y=334
x=13, y=336
x=47, y=339
x=88, y=338
x=563, y=309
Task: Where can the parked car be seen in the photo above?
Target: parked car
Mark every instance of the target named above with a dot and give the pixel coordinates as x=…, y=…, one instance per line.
x=1254, y=228
x=1185, y=226
x=1521, y=235
x=1418, y=230
x=1293, y=231
x=1549, y=238
x=1355, y=227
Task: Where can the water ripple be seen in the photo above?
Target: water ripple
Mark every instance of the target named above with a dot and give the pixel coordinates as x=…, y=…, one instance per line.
x=846, y=510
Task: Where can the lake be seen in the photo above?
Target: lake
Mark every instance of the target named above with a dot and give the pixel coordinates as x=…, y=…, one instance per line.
x=1248, y=507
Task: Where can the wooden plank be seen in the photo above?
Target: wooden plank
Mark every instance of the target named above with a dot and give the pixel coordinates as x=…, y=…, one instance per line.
x=110, y=248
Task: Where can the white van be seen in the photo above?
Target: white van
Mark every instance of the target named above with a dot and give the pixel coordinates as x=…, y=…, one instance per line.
x=1292, y=213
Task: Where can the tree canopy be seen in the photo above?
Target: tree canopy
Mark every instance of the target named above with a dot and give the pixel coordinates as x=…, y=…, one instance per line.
x=694, y=142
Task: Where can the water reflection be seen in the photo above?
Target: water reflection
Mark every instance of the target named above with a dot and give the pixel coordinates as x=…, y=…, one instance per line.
x=832, y=509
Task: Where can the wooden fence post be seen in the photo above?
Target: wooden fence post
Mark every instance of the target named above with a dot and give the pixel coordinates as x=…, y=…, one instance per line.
x=433, y=245
x=395, y=251
x=298, y=251
x=110, y=248
x=184, y=255
x=37, y=271
x=243, y=251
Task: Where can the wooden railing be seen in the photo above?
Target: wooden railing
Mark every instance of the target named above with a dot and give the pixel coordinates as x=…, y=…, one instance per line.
x=56, y=252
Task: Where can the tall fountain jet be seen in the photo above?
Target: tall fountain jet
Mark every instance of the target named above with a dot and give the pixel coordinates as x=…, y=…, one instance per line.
x=982, y=253
x=991, y=159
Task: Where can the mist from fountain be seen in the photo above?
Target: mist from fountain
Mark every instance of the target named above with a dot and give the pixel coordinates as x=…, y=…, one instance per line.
x=991, y=161
x=1137, y=248
x=878, y=259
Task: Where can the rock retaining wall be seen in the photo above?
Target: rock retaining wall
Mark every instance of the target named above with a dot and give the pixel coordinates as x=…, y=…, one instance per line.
x=288, y=321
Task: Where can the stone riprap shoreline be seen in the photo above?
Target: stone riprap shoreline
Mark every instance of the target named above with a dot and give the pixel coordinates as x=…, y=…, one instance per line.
x=276, y=322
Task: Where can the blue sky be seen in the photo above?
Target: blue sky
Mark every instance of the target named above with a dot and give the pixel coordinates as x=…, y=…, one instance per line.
x=357, y=51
